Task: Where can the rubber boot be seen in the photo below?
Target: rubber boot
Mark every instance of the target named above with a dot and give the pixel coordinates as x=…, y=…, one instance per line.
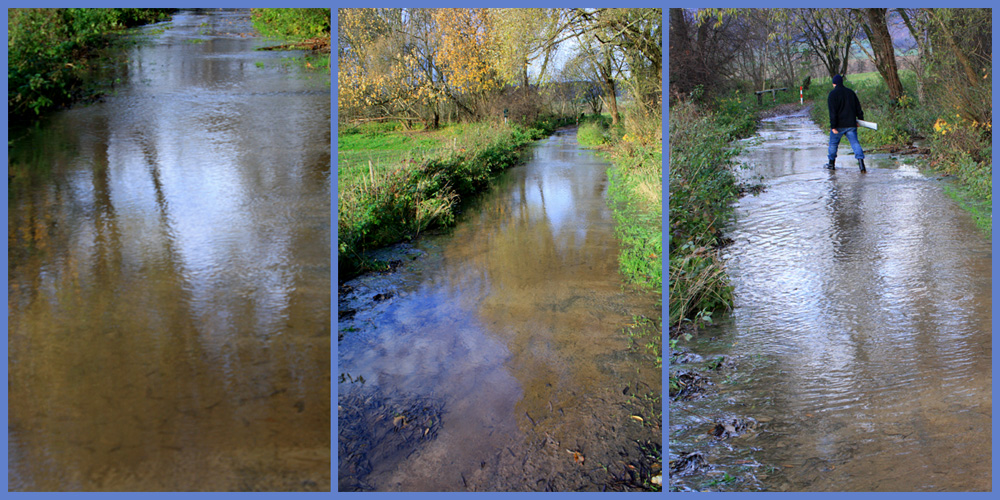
x=830, y=164
x=861, y=164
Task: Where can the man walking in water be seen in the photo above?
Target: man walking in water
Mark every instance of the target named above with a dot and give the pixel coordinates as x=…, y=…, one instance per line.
x=845, y=111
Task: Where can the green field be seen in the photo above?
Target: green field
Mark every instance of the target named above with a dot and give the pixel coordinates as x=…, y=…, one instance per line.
x=381, y=148
x=872, y=77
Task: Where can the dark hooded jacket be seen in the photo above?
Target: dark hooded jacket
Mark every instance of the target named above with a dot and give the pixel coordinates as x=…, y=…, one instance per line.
x=845, y=108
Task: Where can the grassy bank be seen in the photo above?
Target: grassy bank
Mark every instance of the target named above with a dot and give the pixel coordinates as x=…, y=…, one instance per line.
x=635, y=192
x=50, y=51
x=300, y=29
x=635, y=189
x=419, y=182
x=703, y=187
x=292, y=24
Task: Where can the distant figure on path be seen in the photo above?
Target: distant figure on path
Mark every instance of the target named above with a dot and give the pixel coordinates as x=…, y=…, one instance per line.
x=845, y=111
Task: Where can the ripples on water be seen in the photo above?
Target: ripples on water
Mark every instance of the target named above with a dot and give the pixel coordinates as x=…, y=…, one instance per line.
x=870, y=295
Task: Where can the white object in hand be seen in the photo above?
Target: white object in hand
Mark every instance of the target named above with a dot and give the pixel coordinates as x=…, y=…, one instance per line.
x=871, y=125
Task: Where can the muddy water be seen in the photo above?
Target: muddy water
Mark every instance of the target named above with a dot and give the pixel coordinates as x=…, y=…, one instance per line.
x=169, y=275
x=497, y=349
x=861, y=329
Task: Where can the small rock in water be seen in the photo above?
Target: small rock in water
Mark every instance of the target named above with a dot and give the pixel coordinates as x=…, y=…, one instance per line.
x=689, y=357
x=733, y=427
x=688, y=464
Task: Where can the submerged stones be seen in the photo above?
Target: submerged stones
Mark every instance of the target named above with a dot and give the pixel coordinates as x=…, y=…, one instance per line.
x=714, y=454
x=688, y=463
x=688, y=385
x=728, y=427
x=377, y=427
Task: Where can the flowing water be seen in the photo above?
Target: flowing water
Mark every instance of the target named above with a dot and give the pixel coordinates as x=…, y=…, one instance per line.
x=169, y=275
x=861, y=333
x=496, y=356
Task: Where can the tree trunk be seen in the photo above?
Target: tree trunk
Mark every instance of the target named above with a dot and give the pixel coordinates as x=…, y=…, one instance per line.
x=609, y=87
x=612, y=103
x=884, y=54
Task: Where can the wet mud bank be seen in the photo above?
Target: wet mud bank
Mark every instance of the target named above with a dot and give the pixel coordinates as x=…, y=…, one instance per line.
x=496, y=356
x=858, y=353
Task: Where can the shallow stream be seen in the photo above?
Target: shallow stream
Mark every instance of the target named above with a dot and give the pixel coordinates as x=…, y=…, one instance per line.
x=169, y=274
x=859, y=349
x=496, y=355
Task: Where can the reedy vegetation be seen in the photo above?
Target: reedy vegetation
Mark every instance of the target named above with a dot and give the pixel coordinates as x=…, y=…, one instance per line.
x=702, y=190
x=392, y=204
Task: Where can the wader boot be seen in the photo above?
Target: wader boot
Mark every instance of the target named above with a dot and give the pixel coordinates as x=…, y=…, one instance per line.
x=830, y=165
x=861, y=164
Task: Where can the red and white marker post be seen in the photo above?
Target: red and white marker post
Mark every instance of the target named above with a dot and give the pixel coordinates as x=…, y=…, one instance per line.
x=800, y=95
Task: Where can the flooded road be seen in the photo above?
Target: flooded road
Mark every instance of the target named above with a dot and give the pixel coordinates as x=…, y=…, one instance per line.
x=861, y=330
x=169, y=275
x=496, y=357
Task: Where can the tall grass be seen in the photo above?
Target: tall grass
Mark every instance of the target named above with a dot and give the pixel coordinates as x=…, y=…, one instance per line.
x=392, y=204
x=635, y=146
x=703, y=187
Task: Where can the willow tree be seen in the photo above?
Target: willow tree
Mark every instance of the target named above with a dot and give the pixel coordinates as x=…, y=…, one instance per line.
x=601, y=67
x=384, y=71
x=468, y=55
x=525, y=37
x=638, y=35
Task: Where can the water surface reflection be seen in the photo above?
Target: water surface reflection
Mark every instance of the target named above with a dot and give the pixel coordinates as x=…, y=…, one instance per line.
x=169, y=276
